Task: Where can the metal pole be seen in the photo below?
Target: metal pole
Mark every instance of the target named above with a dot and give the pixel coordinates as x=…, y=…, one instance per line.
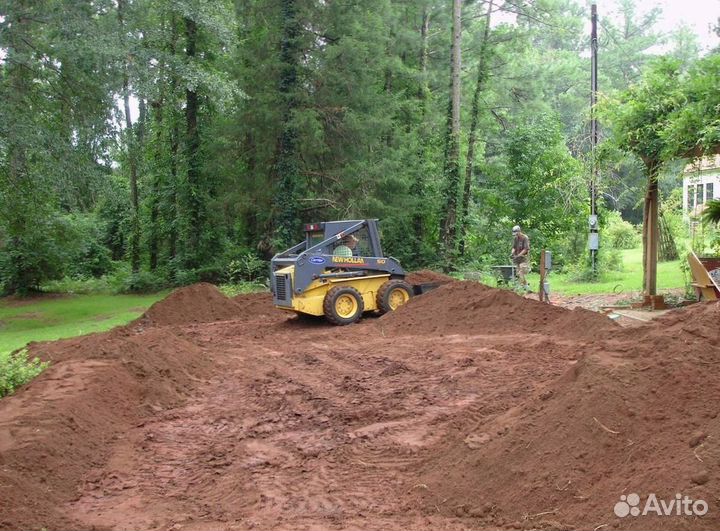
x=593, y=236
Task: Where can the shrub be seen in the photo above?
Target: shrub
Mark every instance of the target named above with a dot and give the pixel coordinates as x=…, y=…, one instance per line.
x=608, y=260
x=39, y=254
x=88, y=256
x=618, y=233
x=247, y=267
x=16, y=369
x=78, y=285
x=231, y=290
x=185, y=277
x=212, y=273
x=143, y=282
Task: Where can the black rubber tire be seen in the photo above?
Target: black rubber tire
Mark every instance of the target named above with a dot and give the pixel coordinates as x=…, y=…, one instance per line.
x=383, y=294
x=329, y=305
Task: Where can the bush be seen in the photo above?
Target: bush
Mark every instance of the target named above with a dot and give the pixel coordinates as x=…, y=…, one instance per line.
x=212, y=273
x=185, y=277
x=79, y=285
x=231, y=290
x=246, y=267
x=88, y=256
x=618, y=233
x=39, y=254
x=608, y=260
x=16, y=370
x=143, y=282
x=52, y=248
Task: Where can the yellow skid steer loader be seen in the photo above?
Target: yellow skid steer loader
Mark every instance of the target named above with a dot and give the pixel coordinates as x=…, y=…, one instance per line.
x=339, y=271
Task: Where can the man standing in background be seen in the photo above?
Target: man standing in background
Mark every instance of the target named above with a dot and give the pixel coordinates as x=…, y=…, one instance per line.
x=520, y=255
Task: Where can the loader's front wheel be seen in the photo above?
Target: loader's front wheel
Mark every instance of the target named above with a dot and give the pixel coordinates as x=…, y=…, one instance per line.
x=343, y=305
x=392, y=295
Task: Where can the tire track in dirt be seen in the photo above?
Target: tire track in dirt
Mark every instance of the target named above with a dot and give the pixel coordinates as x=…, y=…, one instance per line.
x=325, y=431
x=263, y=421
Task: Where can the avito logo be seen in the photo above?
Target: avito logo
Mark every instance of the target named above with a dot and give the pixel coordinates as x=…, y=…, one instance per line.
x=678, y=506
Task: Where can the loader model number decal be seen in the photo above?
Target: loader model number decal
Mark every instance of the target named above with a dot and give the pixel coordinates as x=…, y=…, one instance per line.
x=348, y=260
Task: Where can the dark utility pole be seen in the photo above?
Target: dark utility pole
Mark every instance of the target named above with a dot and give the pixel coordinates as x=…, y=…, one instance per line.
x=593, y=238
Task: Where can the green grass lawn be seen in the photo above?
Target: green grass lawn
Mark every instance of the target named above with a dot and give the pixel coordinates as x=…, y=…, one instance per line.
x=55, y=317
x=669, y=276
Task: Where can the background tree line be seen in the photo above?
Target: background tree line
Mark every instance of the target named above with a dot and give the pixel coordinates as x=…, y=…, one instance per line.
x=185, y=140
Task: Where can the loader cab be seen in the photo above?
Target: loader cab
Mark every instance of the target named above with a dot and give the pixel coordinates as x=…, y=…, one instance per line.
x=368, y=238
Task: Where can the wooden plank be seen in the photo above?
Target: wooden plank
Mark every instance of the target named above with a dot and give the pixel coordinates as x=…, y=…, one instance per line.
x=704, y=283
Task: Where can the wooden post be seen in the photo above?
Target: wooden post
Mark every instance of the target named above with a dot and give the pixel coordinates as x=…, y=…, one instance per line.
x=541, y=292
x=652, y=241
x=651, y=298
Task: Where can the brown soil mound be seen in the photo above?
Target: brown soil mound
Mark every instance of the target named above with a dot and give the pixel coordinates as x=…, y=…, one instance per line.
x=58, y=427
x=618, y=422
x=473, y=308
x=199, y=303
x=255, y=304
x=469, y=407
x=426, y=276
x=699, y=320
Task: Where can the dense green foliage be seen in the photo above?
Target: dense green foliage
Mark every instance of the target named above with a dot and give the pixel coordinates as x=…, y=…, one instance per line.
x=16, y=369
x=619, y=234
x=169, y=141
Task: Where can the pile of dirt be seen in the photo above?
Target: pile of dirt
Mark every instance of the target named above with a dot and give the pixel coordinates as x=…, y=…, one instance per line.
x=638, y=413
x=426, y=276
x=473, y=308
x=63, y=423
x=699, y=321
x=199, y=303
x=529, y=416
x=255, y=304
x=66, y=422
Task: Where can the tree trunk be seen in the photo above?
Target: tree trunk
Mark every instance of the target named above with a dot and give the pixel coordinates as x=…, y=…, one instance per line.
x=154, y=236
x=482, y=74
x=142, y=120
x=286, y=168
x=192, y=148
x=417, y=188
x=424, y=29
x=19, y=209
x=173, y=212
x=651, y=231
x=452, y=151
x=134, y=239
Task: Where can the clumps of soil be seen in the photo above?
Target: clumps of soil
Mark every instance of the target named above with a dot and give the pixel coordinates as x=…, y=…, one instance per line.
x=66, y=421
x=531, y=416
x=255, y=304
x=426, y=276
x=638, y=412
x=699, y=320
x=473, y=308
x=199, y=303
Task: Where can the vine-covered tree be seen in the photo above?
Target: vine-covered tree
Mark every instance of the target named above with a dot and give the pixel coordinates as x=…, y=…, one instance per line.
x=161, y=142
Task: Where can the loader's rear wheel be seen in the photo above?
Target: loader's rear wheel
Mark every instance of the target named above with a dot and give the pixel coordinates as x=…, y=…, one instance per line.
x=343, y=305
x=392, y=295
